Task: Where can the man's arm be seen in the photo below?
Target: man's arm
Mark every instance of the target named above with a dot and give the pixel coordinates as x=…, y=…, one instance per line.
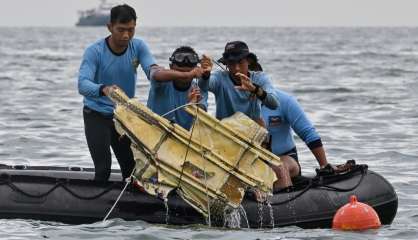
x=268, y=100
x=320, y=156
x=206, y=82
x=86, y=85
x=263, y=91
x=195, y=96
x=145, y=57
x=203, y=102
x=164, y=75
x=304, y=129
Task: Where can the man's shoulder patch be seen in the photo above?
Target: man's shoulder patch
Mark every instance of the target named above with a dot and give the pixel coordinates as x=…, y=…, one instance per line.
x=274, y=121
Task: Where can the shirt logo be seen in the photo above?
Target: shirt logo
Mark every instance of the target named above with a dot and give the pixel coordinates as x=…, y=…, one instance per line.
x=274, y=121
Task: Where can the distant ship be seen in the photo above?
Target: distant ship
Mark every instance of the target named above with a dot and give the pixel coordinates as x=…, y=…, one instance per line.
x=95, y=17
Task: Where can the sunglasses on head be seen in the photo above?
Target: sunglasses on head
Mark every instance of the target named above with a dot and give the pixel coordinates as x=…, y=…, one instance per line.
x=191, y=58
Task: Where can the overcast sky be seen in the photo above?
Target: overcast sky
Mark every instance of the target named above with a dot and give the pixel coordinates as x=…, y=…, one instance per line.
x=223, y=12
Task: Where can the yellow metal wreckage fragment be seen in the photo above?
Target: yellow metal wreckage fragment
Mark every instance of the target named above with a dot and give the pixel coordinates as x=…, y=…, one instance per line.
x=215, y=161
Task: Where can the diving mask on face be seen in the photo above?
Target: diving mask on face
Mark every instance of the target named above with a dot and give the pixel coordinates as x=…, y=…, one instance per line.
x=185, y=59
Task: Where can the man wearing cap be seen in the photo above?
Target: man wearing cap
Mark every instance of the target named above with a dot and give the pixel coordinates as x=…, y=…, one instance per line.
x=173, y=88
x=238, y=89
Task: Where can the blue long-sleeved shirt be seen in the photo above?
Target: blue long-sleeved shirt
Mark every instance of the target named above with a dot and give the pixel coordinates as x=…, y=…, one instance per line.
x=230, y=100
x=280, y=122
x=164, y=97
x=100, y=66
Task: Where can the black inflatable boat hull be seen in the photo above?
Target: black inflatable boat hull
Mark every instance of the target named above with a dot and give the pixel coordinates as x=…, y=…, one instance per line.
x=69, y=195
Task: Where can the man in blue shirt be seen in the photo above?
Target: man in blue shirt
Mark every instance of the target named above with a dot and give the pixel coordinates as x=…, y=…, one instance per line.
x=238, y=89
x=280, y=122
x=169, y=92
x=107, y=63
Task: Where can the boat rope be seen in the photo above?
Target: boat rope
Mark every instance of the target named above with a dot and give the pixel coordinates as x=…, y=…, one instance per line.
x=189, y=140
x=178, y=108
x=309, y=186
x=219, y=65
x=315, y=183
x=17, y=189
x=57, y=185
x=128, y=180
x=185, y=158
x=187, y=151
x=331, y=188
x=204, y=169
x=86, y=198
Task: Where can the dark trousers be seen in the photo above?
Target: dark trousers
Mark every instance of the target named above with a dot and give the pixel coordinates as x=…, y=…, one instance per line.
x=294, y=154
x=101, y=135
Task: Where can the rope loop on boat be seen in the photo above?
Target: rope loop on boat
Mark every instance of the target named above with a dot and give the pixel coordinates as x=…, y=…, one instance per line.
x=59, y=183
x=317, y=182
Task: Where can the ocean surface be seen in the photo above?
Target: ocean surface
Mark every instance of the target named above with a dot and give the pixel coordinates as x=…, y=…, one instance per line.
x=358, y=85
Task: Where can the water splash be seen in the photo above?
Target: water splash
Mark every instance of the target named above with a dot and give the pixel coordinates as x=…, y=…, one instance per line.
x=268, y=203
x=265, y=200
x=260, y=208
x=209, y=218
x=244, y=214
x=167, y=210
x=232, y=217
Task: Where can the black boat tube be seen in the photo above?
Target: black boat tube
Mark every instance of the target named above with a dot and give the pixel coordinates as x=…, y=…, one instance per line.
x=71, y=195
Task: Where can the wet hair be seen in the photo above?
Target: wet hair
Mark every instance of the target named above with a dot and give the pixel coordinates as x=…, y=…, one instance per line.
x=184, y=49
x=122, y=14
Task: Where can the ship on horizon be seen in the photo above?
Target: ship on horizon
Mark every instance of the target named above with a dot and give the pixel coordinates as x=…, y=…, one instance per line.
x=99, y=16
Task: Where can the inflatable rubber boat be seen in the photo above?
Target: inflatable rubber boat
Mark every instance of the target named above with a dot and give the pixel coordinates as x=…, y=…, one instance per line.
x=70, y=195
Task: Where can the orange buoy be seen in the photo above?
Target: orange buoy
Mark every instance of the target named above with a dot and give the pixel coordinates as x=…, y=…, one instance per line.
x=355, y=216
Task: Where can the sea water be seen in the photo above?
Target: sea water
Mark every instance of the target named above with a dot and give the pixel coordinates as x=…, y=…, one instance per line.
x=358, y=86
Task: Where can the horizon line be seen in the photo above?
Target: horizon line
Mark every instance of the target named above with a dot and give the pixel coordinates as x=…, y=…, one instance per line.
x=221, y=26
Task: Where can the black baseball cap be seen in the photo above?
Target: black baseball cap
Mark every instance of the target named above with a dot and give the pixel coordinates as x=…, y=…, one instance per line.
x=236, y=51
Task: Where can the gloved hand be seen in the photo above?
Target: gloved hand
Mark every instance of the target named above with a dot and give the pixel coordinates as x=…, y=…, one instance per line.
x=328, y=169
